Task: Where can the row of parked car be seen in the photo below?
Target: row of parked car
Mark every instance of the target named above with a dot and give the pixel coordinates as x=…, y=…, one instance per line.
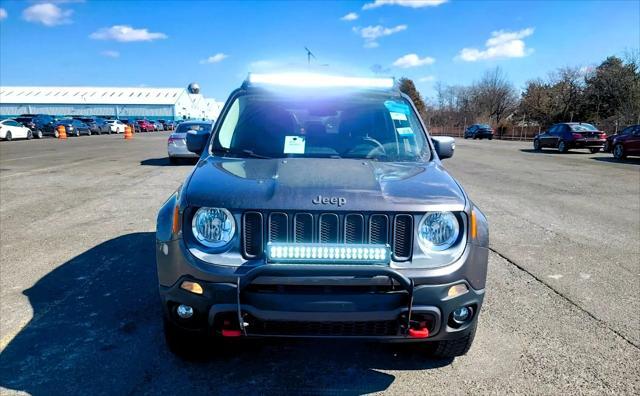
x=29, y=126
x=566, y=136
x=580, y=135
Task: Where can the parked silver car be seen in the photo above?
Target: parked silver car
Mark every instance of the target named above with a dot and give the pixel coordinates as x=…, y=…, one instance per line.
x=177, y=144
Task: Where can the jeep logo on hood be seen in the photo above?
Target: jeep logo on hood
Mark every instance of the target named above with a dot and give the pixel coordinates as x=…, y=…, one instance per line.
x=329, y=200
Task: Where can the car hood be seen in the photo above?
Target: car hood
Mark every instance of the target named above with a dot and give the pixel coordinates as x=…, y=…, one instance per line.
x=322, y=184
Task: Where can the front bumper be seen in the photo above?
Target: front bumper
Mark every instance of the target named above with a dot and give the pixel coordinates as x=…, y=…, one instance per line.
x=350, y=301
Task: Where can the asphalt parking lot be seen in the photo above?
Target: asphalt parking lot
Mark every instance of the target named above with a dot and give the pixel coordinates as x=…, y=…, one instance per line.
x=80, y=310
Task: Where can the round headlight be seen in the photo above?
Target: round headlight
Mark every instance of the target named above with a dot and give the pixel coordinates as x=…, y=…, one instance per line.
x=438, y=231
x=213, y=227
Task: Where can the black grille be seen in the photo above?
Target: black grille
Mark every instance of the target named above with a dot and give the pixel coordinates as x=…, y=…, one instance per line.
x=354, y=228
x=252, y=237
x=306, y=227
x=378, y=229
x=402, y=237
x=354, y=329
x=303, y=228
x=329, y=228
x=278, y=227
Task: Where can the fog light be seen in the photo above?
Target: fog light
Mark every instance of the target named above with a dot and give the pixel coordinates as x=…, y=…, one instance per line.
x=193, y=287
x=461, y=315
x=184, y=311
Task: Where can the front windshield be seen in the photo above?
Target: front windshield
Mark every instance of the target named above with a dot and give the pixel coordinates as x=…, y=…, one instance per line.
x=378, y=127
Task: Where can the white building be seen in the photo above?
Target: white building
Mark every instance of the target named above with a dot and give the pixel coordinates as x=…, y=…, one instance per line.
x=119, y=102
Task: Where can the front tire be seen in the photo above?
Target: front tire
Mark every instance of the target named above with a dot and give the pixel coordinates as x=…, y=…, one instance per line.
x=536, y=145
x=562, y=147
x=8, y=137
x=39, y=134
x=29, y=135
x=448, y=349
x=618, y=152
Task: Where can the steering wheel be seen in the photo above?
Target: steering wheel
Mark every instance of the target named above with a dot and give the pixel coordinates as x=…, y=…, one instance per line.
x=378, y=146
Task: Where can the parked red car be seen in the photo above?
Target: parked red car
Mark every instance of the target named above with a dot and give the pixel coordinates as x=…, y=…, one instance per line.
x=571, y=135
x=625, y=143
x=145, y=126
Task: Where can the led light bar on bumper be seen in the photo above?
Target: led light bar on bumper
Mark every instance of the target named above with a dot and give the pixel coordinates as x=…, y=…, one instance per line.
x=328, y=253
x=313, y=80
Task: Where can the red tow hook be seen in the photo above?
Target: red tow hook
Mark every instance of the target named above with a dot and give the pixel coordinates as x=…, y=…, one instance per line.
x=418, y=329
x=231, y=333
x=227, y=332
x=419, y=333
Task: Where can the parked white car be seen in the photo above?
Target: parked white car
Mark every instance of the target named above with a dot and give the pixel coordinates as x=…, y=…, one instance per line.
x=12, y=129
x=116, y=126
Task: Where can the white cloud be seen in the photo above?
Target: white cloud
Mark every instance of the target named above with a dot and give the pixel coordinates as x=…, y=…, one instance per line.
x=404, y=3
x=501, y=44
x=427, y=79
x=124, y=33
x=371, y=34
x=352, y=16
x=47, y=14
x=219, y=57
x=3, y=14
x=412, y=60
x=110, y=54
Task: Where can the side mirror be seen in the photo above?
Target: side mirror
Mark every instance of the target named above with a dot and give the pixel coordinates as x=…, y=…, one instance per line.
x=197, y=140
x=444, y=145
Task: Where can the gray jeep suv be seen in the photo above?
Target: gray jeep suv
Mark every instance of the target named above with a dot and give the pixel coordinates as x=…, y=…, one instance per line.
x=321, y=210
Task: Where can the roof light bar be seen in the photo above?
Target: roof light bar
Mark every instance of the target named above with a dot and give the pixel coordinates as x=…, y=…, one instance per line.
x=328, y=253
x=312, y=80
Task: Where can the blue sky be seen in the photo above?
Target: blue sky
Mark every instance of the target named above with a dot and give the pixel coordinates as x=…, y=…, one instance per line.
x=215, y=43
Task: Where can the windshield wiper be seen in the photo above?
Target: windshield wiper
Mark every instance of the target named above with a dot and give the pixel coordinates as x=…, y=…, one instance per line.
x=241, y=153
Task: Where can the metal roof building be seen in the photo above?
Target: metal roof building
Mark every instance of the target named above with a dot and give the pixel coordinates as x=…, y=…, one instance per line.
x=119, y=102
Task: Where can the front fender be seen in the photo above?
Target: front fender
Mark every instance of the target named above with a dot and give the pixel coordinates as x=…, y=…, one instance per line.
x=164, y=222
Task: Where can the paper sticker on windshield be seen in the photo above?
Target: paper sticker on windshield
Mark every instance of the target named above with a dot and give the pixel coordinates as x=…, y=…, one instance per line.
x=398, y=116
x=406, y=131
x=294, y=144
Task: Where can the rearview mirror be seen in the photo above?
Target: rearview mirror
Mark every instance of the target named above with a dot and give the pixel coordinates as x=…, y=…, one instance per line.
x=197, y=140
x=444, y=145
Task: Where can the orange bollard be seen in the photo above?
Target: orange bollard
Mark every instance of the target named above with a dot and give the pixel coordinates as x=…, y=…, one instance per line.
x=62, y=132
x=127, y=132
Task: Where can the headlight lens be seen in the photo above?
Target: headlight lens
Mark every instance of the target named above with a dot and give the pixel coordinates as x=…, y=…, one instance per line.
x=438, y=231
x=213, y=227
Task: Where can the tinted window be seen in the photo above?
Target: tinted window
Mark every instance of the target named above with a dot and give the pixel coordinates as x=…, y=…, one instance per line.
x=583, y=127
x=24, y=119
x=184, y=128
x=350, y=126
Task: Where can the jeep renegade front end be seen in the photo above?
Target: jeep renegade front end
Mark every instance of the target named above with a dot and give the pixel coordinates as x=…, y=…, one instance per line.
x=319, y=208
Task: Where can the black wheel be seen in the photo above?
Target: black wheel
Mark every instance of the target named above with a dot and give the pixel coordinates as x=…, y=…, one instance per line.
x=562, y=147
x=490, y=137
x=185, y=343
x=536, y=145
x=89, y=132
x=39, y=134
x=8, y=137
x=29, y=135
x=618, y=152
x=452, y=348
x=466, y=137
x=56, y=134
x=594, y=150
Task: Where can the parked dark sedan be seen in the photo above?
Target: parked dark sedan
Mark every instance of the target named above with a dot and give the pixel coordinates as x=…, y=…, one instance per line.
x=608, y=144
x=479, y=131
x=625, y=143
x=571, y=135
x=40, y=124
x=97, y=125
x=74, y=127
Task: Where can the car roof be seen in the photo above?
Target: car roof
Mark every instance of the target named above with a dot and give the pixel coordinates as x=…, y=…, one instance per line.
x=196, y=122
